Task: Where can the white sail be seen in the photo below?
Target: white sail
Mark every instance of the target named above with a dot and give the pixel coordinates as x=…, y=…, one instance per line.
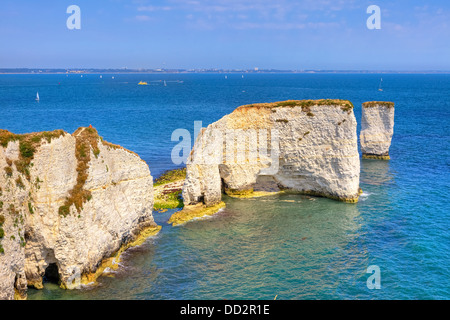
x=37, y=96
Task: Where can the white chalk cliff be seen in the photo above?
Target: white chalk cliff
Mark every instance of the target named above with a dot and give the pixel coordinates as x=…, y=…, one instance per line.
x=311, y=149
x=377, y=128
x=69, y=202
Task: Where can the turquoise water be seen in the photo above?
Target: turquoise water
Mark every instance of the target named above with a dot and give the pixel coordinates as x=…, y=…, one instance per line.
x=296, y=247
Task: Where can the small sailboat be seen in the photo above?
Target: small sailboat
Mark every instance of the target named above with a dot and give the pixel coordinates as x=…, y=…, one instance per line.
x=379, y=87
x=242, y=76
x=165, y=84
x=226, y=77
x=101, y=77
x=37, y=96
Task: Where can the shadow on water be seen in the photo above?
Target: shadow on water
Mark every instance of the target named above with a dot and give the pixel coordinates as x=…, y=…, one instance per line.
x=378, y=182
x=376, y=172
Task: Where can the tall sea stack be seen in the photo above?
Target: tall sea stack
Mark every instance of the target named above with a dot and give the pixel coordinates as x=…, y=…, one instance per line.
x=377, y=128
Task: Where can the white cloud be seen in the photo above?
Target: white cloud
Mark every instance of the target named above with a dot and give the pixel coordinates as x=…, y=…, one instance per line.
x=154, y=8
x=254, y=14
x=142, y=18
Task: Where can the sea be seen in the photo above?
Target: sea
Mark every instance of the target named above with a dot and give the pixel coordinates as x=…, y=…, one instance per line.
x=283, y=246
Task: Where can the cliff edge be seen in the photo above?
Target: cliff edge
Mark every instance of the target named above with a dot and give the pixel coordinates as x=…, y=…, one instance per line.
x=69, y=205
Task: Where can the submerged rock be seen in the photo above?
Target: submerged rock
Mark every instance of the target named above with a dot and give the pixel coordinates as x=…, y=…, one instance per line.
x=70, y=205
x=307, y=146
x=377, y=128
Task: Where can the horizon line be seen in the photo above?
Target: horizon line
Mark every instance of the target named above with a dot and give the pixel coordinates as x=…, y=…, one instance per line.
x=19, y=70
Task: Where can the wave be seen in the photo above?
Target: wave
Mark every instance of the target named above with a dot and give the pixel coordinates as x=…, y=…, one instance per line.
x=365, y=195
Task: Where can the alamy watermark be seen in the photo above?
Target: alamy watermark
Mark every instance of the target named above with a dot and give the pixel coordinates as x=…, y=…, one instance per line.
x=374, y=280
x=74, y=20
x=231, y=146
x=374, y=21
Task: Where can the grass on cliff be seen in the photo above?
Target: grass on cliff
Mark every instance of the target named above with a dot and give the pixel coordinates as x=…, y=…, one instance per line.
x=2, y=233
x=85, y=140
x=2, y=221
x=170, y=176
x=110, y=145
x=305, y=104
x=8, y=172
x=28, y=143
x=170, y=200
x=371, y=104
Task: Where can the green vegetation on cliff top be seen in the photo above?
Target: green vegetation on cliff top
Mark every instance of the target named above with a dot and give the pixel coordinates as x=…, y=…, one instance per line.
x=305, y=104
x=370, y=104
x=28, y=143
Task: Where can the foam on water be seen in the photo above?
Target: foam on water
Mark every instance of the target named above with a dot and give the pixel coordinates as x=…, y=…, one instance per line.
x=363, y=196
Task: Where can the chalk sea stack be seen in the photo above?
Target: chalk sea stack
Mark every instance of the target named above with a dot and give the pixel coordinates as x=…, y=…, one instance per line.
x=377, y=128
x=316, y=154
x=69, y=205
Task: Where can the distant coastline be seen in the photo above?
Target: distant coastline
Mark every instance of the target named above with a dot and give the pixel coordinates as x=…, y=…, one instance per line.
x=186, y=71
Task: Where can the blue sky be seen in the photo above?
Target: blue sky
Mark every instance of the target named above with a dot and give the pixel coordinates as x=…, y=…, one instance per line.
x=282, y=34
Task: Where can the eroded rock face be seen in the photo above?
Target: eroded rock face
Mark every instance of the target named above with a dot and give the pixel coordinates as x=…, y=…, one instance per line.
x=377, y=128
x=311, y=148
x=70, y=213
